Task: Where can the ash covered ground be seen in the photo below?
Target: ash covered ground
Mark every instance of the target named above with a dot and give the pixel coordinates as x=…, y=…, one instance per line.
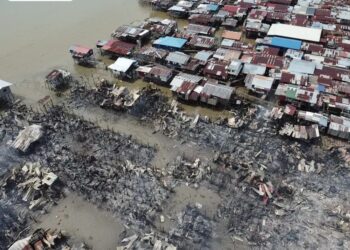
x=271, y=192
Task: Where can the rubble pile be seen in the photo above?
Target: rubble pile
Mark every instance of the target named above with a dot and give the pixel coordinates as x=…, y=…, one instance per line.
x=267, y=190
x=34, y=184
x=147, y=241
x=260, y=178
x=184, y=170
x=13, y=220
x=26, y=137
x=109, y=169
x=144, y=103
x=46, y=239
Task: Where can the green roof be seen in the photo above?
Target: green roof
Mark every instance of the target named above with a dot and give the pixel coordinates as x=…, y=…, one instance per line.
x=291, y=92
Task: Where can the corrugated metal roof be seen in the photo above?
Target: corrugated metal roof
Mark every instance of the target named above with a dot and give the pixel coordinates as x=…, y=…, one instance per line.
x=178, y=58
x=232, y=35
x=204, y=55
x=217, y=90
x=302, y=66
x=189, y=77
x=254, y=69
x=259, y=82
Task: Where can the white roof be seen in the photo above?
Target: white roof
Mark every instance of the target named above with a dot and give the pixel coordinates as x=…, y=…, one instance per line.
x=122, y=64
x=302, y=66
x=296, y=32
x=259, y=82
x=4, y=84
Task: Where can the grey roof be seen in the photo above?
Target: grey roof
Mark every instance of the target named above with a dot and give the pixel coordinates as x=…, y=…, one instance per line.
x=254, y=69
x=227, y=42
x=218, y=90
x=189, y=77
x=204, y=55
x=302, y=66
x=235, y=67
x=313, y=117
x=256, y=82
x=345, y=15
x=178, y=58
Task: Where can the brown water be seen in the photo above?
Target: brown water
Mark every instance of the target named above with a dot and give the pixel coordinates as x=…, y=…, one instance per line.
x=35, y=37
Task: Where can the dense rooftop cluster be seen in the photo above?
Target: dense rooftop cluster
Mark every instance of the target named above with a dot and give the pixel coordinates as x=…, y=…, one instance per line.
x=296, y=52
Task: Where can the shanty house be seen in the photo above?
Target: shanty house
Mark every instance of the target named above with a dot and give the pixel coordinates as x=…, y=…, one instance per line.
x=235, y=67
x=318, y=118
x=254, y=69
x=162, y=5
x=302, y=66
x=5, y=92
x=183, y=77
x=203, y=56
x=229, y=23
x=160, y=74
x=227, y=55
x=159, y=28
x=81, y=54
x=58, y=78
x=124, y=68
x=339, y=126
x=117, y=48
x=197, y=29
x=181, y=9
x=185, y=90
x=259, y=84
x=131, y=34
x=177, y=59
x=216, y=94
x=202, y=42
x=216, y=70
x=297, y=94
x=151, y=54
x=231, y=35
x=170, y=43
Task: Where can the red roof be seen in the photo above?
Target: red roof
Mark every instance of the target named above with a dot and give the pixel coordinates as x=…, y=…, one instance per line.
x=270, y=61
x=278, y=7
x=118, y=47
x=231, y=8
x=80, y=51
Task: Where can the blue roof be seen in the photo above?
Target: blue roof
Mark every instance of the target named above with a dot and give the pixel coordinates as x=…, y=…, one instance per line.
x=286, y=43
x=169, y=41
x=212, y=7
x=321, y=88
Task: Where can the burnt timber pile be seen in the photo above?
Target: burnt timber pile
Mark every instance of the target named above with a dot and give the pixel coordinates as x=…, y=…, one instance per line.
x=266, y=181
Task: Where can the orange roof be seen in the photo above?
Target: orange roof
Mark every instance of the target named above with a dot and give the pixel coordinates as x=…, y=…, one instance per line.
x=232, y=35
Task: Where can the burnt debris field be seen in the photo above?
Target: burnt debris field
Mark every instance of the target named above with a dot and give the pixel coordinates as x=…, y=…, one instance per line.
x=270, y=191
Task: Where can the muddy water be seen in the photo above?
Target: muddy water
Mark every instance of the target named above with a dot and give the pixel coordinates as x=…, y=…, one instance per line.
x=84, y=222
x=35, y=37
